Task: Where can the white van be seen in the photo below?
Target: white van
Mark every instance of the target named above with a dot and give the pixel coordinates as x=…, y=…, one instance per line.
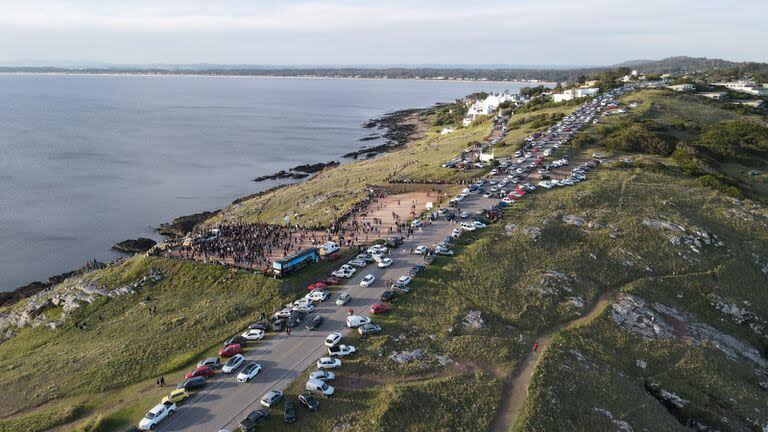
x=328, y=248
x=354, y=321
x=319, y=387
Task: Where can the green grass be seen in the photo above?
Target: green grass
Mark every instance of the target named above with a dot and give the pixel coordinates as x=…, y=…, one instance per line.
x=197, y=307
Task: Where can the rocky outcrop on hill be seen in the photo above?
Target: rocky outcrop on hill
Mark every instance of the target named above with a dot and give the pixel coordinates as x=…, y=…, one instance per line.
x=9, y=298
x=297, y=172
x=183, y=225
x=67, y=296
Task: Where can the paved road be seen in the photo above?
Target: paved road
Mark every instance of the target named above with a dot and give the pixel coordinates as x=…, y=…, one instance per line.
x=224, y=402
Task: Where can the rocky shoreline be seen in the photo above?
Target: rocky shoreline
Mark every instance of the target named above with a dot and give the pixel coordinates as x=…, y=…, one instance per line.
x=399, y=127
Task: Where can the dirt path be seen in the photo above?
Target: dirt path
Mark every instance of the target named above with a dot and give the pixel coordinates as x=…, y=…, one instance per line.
x=517, y=386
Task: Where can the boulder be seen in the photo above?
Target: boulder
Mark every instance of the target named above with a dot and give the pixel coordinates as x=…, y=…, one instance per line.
x=139, y=245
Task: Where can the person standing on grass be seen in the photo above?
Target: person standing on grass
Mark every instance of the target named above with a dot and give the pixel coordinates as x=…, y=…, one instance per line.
x=162, y=381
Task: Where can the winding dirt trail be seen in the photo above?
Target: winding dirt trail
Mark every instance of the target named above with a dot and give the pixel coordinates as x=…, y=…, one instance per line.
x=517, y=386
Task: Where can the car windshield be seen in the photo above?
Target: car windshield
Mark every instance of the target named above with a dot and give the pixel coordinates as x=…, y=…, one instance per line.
x=149, y=416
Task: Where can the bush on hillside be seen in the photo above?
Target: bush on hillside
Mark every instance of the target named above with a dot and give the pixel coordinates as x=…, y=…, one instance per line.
x=735, y=139
x=640, y=138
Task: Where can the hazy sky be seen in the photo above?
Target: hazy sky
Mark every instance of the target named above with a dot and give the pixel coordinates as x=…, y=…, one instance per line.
x=379, y=32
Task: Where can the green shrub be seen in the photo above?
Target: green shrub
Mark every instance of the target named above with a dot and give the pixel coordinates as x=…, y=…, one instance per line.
x=735, y=139
x=640, y=138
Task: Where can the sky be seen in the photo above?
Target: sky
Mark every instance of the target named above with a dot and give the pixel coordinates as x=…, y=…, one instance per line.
x=349, y=32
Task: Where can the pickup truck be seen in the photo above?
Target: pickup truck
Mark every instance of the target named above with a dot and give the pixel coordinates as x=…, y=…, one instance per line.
x=157, y=414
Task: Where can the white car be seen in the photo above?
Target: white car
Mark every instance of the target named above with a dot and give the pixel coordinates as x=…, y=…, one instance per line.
x=464, y=215
x=254, y=334
x=357, y=320
x=328, y=363
x=322, y=375
x=159, y=412
x=377, y=249
x=343, y=299
x=456, y=233
x=478, y=224
x=386, y=262
x=341, y=350
x=233, y=363
x=403, y=280
x=421, y=250
x=318, y=296
x=250, y=371
x=333, y=339
x=368, y=280
x=346, y=271
x=466, y=226
x=416, y=223
x=358, y=263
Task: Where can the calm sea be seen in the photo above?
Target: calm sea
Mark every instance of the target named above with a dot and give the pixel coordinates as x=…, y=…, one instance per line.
x=87, y=161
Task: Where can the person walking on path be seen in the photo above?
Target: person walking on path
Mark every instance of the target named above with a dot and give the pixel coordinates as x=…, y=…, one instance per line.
x=288, y=331
x=535, y=346
x=162, y=381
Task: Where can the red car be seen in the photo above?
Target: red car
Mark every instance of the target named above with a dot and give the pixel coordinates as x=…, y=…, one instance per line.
x=231, y=350
x=317, y=286
x=203, y=371
x=379, y=308
x=332, y=280
x=332, y=257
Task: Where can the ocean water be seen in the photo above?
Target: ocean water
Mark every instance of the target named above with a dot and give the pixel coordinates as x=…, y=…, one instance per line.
x=87, y=161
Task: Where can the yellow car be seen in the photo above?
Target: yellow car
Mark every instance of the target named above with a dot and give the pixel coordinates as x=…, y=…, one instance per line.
x=177, y=396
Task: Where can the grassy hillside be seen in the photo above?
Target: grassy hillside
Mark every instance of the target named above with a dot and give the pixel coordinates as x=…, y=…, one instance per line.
x=126, y=340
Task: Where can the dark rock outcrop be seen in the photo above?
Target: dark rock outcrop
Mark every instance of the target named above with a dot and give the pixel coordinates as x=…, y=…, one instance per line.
x=183, y=225
x=139, y=245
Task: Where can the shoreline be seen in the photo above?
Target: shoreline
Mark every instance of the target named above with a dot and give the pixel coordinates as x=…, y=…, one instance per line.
x=173, y=229
x=260, y=76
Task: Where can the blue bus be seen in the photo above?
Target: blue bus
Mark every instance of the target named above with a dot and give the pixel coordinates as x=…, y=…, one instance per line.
x=295, y=262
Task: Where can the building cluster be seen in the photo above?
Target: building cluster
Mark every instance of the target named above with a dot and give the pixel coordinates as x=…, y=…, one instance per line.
x=743, y=86
x=487, y=106
x=747, y=87
x=575, y=93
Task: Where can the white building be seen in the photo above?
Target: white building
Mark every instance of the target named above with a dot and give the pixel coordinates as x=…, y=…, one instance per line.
x=682, y=87
x=487, y=106
x=714, y=95
x=571, y=94
x=748, y=87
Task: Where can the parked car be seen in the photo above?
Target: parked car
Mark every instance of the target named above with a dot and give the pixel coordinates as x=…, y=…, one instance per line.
x=421, y=250
x=249, y=372
x=249, y=423
x=295, y=319
x=202, y=371
x=253, y=334
x=343, y=299
x=157, y=414
x=176, y=396
x=328, y=363
x=379, y=308
x=403, y=281
x=278, y=325
x=467, y=226
x=289, y=412
x=416, y=223
x=239, y=340
x=212, y=362
x=384, y=263
x=341, y=350
x=192, y=383
x=478, y=224
x=317, y=286
x=233, y=363
x=315, y=323
x=357, y=320
x=231, y=350
x=443, y=251
x=271, y=397
x=369, y=328
x=358, y=263
x=303, y=308
x=368, y=280
x=388, y=296
x=309, y=401
x=318, y=296
x=322, y=375
x=259, y=325
x=319, y=387
x=333, y=339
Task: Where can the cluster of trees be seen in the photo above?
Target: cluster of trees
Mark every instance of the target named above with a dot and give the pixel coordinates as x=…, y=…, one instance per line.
x=735, y=139
x=645, y=137
x=450, y=114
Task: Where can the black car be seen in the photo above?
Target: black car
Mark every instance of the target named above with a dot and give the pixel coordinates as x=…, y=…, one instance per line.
x=415, y=270
x=289, y=412
x=394, y=242
x=294, y=319
x=260, y=325
x=315, y=322
x=309, y=401
x=278, y=325
x=388, y=296
x=449, y=216
x=249, y=423
x=192, y=383
x=239, y=340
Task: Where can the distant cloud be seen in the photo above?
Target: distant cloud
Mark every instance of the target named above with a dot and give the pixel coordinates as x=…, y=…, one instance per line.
x=447, y=31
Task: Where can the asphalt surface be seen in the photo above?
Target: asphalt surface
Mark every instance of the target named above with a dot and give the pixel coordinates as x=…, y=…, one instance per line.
x=224, y=401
